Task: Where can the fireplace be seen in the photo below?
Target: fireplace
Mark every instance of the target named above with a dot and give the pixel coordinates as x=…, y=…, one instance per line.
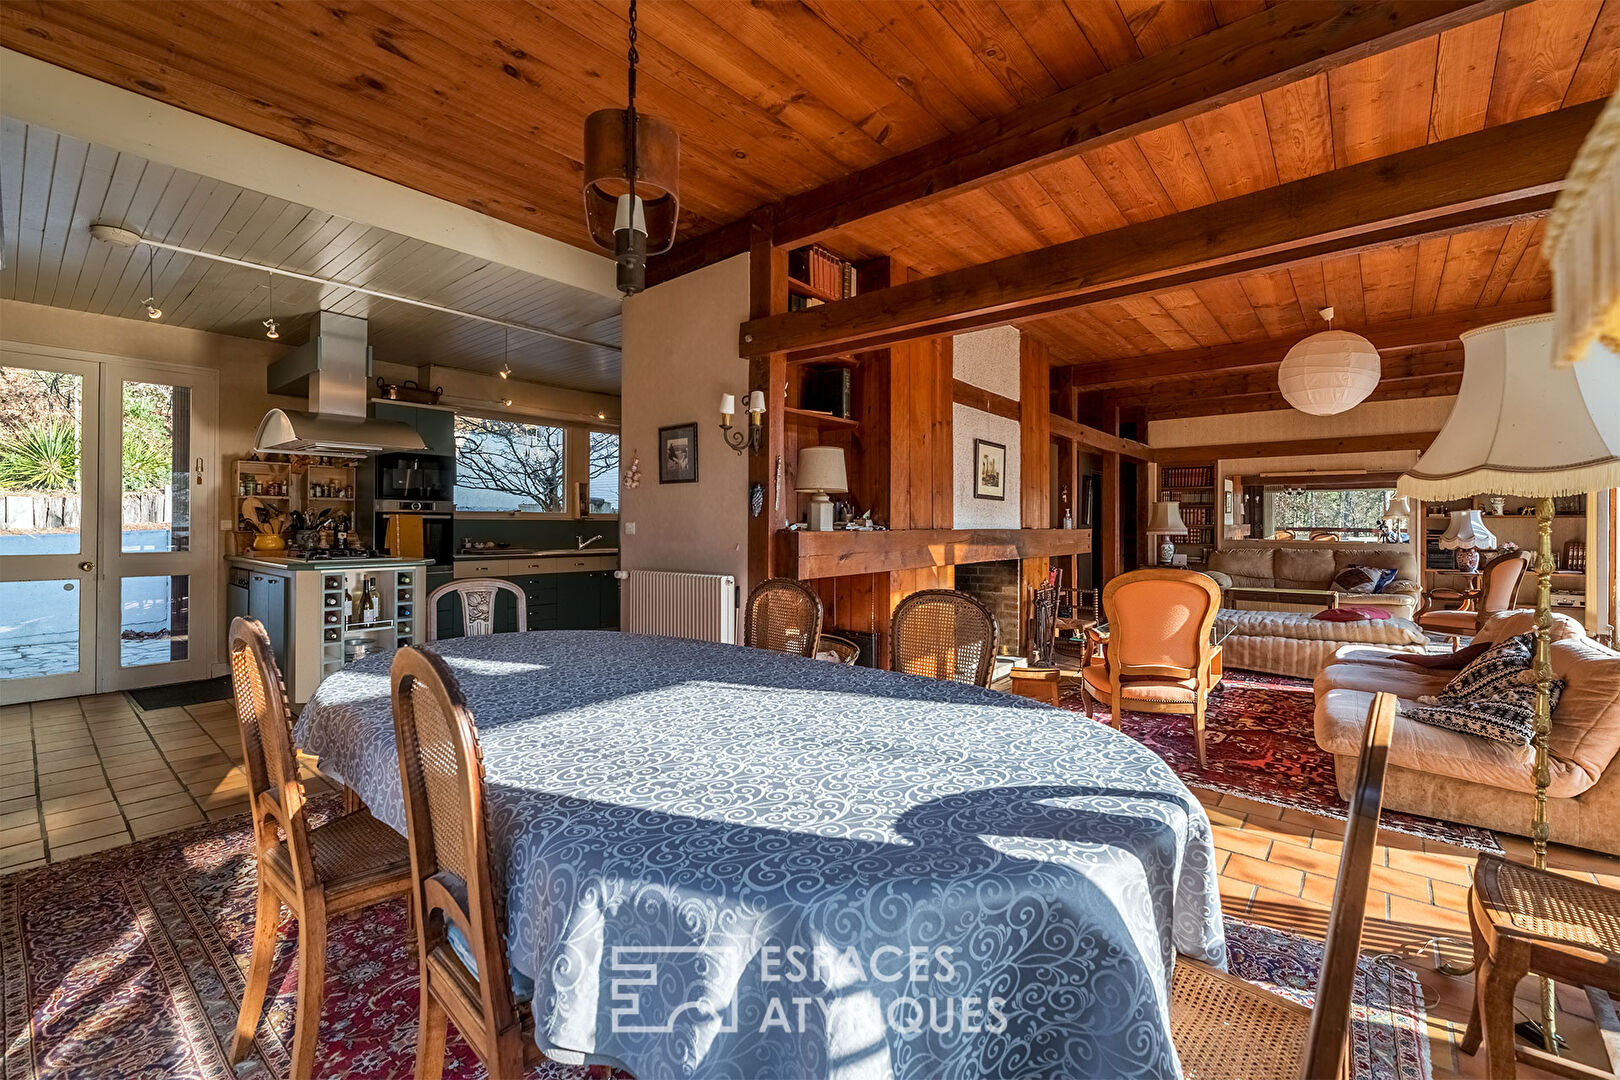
x=999, y=586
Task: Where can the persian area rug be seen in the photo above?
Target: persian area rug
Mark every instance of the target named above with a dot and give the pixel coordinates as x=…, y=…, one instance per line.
x=129, y=963
x=1261, y=745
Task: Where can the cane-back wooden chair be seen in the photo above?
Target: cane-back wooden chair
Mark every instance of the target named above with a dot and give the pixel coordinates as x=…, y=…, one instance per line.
x=347, y=864
x=1226, y=1027
x=943, y=634
x=783, y=615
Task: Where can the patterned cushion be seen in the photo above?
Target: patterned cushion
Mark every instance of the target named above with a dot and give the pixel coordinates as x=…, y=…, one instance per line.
x=1352, y=613
x=1386, y=576
x=1494, y=697
x=1359, y=579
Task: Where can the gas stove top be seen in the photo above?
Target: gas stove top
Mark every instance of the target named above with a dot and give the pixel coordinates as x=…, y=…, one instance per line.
x=331, y=554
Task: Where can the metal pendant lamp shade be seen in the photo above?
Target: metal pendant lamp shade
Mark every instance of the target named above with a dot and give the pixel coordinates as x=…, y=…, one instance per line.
x=1329, y=372
x=1583, y=246
x=658, y=168
x=1521, y=426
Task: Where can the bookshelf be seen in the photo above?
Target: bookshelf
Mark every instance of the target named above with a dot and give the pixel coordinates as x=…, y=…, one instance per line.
x=1193, y=487
x=1516, y=524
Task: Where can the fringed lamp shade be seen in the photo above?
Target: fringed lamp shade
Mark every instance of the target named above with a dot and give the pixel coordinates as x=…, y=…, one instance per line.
x=1583, y=246
x=1329, y=372
x=1521, y=426
x=1467, y=530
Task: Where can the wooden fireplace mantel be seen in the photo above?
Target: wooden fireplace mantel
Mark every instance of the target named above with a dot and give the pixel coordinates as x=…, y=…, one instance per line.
x=807, y=555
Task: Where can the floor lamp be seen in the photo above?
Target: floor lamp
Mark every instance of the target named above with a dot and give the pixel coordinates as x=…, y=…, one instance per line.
x=1522, y=427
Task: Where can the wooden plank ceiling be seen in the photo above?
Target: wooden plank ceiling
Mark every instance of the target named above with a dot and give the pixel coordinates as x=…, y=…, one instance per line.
x=482, y=103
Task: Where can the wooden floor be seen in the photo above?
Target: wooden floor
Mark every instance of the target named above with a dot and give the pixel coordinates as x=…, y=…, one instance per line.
x=82, y=774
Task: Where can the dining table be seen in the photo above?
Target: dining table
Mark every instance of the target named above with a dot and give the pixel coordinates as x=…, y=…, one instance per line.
x=719, y=861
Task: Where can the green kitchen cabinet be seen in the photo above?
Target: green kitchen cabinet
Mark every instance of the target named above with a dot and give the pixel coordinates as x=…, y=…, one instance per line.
x=579, y=605
x=437, y=427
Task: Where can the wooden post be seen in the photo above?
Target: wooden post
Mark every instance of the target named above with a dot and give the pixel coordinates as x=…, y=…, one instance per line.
x=768, y=294
x=1113, y=550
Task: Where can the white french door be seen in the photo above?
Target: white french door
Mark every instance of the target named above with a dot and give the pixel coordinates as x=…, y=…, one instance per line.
x=111, y=574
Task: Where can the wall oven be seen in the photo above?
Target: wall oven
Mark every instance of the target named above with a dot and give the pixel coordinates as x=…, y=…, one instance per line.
x=416, y=529
x=415, y=478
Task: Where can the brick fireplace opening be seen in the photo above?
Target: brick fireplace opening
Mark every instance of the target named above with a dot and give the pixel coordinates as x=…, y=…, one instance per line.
x=998, y=586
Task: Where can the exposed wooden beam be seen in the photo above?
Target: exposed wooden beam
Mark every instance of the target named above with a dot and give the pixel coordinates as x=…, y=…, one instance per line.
x=768, y=292
x=1264, y=383
x=1065, y=428
x=806, y=555
x=977, y=397
x=1156, y=368
x=1389, y=390
x=1505, y=173
x=1266, y=50
x=1347, y=444
x=696, y=252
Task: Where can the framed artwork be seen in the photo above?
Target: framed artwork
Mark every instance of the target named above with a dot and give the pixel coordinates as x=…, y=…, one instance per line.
x=989, y=470
x=1230, y=509
x=1088, y=496
x=678, y=454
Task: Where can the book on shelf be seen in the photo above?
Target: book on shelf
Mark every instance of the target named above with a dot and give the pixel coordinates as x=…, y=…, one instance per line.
x=823, y=271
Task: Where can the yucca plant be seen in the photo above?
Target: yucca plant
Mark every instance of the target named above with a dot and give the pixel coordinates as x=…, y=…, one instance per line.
x=45, y=457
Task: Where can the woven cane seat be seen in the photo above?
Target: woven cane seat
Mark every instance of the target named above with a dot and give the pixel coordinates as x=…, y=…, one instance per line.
x=1224, y=1027
x=1543, y=904
x=350, y=852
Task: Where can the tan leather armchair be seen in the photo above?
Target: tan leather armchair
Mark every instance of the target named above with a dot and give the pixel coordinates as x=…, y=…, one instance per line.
x=1497, y=586
x=1158, y=656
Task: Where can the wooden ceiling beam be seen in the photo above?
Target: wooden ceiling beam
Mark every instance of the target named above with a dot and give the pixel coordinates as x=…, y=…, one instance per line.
x=1091, y=437
x=1252, y=383
x=1424, y=386
x=1261, y=52
x=1345, y=444
x=1501, y=174
x=1142, y=371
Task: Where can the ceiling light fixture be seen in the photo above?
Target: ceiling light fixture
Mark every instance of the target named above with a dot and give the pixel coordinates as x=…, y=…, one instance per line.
x=632, y=181
x=506, y=356
x=271, y=330
x=121, y=237
x=150, y=303
x=1329, y=372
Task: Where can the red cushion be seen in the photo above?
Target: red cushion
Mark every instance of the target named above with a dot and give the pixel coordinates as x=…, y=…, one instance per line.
x=1352, y=613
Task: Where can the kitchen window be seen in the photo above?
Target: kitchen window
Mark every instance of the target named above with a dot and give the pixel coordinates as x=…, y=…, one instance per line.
x=508, y=466
x=603, y=473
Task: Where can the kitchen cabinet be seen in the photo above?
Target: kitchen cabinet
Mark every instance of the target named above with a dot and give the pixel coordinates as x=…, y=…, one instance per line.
x=436, y=426
x=267, y=602
x=561, y=592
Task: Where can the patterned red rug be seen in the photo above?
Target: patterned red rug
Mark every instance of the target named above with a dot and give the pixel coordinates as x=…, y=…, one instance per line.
x=129, y=963
x=1260, y=742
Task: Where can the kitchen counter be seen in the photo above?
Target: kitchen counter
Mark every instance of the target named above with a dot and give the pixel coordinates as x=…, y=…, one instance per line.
x=531, y=553
x=267, y=561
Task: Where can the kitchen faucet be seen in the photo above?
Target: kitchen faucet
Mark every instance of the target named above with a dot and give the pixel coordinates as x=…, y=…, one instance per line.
x=584, y=543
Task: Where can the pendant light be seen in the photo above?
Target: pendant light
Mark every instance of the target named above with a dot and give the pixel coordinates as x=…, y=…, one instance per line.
x=506, y=351
x=632, y=181
x=1329, y=372
x=271, y=330
x=150, y=303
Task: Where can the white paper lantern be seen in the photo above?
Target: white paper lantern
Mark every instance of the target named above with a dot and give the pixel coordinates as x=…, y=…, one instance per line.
x=1329, y=372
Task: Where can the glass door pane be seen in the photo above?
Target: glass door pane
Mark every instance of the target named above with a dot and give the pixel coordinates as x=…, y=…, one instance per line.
x=156, y=468
x=48, y=539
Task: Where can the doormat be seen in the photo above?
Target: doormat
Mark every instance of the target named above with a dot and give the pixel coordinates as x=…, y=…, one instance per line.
x=185, y=693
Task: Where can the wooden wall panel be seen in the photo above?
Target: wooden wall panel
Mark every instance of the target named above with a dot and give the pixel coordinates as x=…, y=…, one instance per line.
x=1035, y=434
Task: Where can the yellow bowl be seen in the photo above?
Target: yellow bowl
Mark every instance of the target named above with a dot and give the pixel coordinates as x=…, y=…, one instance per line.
x=269, y=542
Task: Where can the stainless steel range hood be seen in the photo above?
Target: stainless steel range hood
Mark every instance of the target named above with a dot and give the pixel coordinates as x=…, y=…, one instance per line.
x=331, y=370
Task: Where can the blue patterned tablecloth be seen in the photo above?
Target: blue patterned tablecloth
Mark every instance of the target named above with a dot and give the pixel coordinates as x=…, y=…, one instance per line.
x=726, y=862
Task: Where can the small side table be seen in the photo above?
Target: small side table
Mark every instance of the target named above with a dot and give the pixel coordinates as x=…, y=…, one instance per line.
x=1041, y=684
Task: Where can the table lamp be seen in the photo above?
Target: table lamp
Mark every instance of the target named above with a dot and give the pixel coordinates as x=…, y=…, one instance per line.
x=1522, y=426
x=1166, y=522
x=1396, y=515
x=821, y=471
x=1467, y=536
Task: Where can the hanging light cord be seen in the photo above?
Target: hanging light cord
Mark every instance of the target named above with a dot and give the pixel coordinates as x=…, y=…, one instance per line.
x=630, y=112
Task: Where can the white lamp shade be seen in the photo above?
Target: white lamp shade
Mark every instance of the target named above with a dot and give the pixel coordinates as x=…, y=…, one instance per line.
x=1521, y=426
x=1166, y=519
x=1329, y=372
x=1467, y=531
x=728, y=404
x=821, y=469
x=1399, y=508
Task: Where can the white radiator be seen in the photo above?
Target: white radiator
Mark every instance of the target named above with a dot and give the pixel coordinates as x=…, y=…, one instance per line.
x=666, y=603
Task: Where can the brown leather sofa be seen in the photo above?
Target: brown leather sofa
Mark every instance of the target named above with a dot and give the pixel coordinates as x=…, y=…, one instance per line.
x=1459, y=777
x=1312, y=567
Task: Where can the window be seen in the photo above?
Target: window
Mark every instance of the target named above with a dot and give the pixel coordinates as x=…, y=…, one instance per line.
x=1353, y=513
x=604, y=472
x=505, y=466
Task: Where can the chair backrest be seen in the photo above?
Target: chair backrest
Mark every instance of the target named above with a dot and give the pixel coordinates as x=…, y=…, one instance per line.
x=783, y=615
x=275, y=794
x=1330, y=1019
x=943, y=634
x=1324, y=536
x=1159, y=621
x=1499, y=582
x=477, y=597
x=1283, y=534
x=442, y=771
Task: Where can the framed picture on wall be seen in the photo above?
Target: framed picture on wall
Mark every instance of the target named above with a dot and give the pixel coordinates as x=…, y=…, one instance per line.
x=989, y=470
x=1088, y=496
x=678, y=454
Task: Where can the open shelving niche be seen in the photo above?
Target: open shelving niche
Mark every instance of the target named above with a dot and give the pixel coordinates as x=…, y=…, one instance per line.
x=812, y=273
x=1569, y=586
x=1194, y=488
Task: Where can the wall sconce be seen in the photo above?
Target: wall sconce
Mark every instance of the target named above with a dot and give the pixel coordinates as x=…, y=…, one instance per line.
x=736, y=438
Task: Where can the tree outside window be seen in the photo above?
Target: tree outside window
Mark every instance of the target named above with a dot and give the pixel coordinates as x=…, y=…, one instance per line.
x=507, y=466
x=604, y=472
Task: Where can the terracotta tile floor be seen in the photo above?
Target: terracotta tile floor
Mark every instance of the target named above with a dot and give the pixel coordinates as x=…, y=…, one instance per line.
x=82, y=774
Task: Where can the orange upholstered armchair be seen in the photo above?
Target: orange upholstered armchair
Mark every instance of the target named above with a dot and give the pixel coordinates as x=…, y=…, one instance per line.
x=1498, y=586
x=1159, y=658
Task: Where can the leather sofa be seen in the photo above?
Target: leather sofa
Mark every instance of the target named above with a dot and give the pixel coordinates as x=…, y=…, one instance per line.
x=1459, y=777
x=1313, y=566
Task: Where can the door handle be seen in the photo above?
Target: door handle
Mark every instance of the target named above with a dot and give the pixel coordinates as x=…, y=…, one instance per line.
x=87, y=566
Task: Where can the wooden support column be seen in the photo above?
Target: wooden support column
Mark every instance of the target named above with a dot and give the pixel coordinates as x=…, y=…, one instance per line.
x=1112, y=538
x=768, y=295
x=1035, y=434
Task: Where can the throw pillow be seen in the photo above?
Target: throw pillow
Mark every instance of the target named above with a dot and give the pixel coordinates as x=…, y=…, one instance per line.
x=1351, y=613
x=1385, y=577
x=1494, y=697
x=1357, y=579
